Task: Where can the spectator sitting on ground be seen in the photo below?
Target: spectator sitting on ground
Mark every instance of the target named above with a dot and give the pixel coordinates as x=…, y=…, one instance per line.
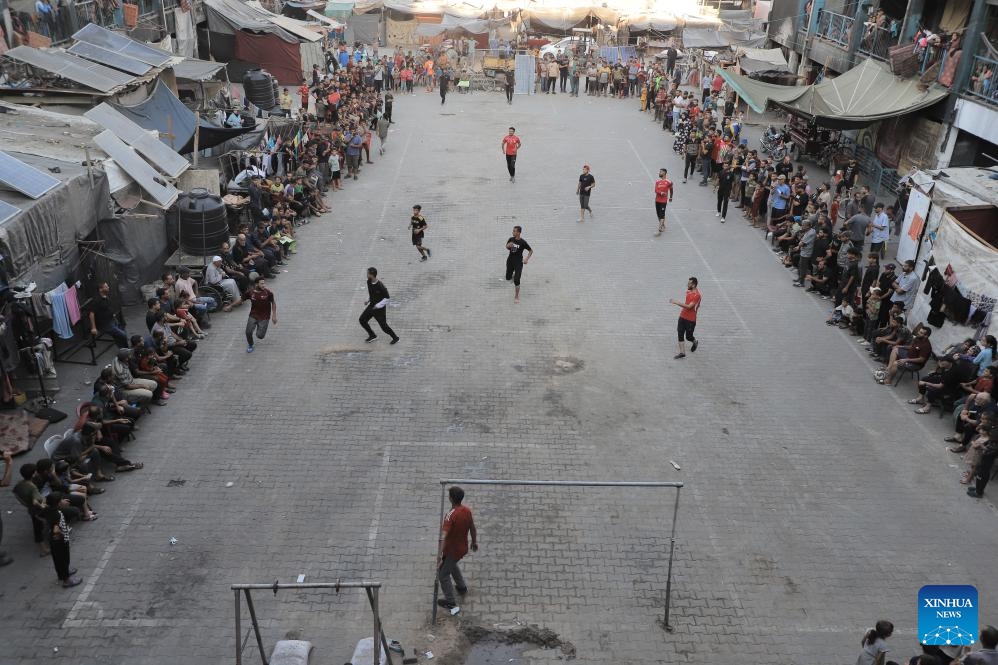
x=967, y=420
x=911, y=357
x=942, y=386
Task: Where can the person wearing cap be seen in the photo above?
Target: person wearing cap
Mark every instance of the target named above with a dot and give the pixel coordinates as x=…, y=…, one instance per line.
x=583, y=190
x=881, y=232
x=215, y=275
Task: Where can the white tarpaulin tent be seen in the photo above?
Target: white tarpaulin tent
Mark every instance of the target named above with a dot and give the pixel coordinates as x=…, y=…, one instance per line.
x=753, y=60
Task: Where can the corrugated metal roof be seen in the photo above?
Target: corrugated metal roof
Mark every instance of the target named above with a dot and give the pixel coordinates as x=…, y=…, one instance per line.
x=197, y=70
x=112, y=41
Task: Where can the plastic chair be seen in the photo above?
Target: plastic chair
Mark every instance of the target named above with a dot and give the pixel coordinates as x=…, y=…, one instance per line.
x=906, y=368
x=52, y=443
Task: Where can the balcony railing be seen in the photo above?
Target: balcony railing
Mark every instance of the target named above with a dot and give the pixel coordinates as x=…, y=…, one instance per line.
x=876, y=41
x=835, y=27
x=983, y=85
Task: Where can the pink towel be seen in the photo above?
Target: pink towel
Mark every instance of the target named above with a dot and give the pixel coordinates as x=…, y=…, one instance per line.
x=73, y=305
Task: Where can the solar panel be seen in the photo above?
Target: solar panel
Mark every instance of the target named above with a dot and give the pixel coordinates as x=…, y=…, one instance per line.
x=162, y=193
x=84, y=72
x=26, y=179
x=7, y=211
x=112, y=41
x=164, y=159
x=109, y=58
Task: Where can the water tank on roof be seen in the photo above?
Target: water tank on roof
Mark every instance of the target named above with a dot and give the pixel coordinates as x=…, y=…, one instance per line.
x=259, y=87
x=203, y=220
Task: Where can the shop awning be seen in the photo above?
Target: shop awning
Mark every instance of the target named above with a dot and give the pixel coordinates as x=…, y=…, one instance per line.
x=752, y=60
x=865, y=94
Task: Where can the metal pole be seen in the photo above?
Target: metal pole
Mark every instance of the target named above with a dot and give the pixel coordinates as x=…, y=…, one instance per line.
x=437, y=561
x=377, y=626
x=309, y=585
x=239, y=631
x=256, y=625
x=672, y=549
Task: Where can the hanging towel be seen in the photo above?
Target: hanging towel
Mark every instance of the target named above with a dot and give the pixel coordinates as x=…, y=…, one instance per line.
x=73, y=305
x=60, y=312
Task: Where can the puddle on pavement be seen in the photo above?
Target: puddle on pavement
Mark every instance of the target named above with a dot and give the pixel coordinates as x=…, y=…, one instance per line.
x=491, y=652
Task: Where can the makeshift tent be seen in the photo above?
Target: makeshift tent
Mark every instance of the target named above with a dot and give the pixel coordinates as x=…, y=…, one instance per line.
x=645, y=23
x=710, y=38
x=755, y=60
x=39, y=242
x=281, y=45
x=865, y=94
x=164, y=113
x=563, y=20
x=197, y=70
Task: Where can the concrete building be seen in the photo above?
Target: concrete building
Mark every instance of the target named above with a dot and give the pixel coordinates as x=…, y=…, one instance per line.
x=949, y=43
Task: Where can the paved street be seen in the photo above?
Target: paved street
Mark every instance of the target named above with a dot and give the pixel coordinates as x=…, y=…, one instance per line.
x=815, y=503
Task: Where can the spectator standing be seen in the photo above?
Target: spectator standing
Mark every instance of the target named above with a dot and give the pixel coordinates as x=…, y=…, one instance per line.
x=988, y=653
x=458, y=524
x=725, y=180
x=57, y=534
x=905, y=286
x=881, y=232
x=806, y=252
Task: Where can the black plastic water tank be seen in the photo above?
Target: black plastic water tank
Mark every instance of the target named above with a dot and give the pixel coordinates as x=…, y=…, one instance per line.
x=203, y=220
x=258, y=86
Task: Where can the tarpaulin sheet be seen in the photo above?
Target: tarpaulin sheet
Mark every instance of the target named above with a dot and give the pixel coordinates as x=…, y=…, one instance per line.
x=280, y=58
x=562, y=20
x=651, y=23
x=138, y=245
x=401, y=33
x=229, y=16
x=197, y=70
x=39, y=245
x=363, y=28
x=164, y=113
x=866, y=93
x=754, y=60
x=718, y=39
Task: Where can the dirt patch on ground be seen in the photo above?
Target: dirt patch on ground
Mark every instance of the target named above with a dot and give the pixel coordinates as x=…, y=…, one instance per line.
x=460, y=643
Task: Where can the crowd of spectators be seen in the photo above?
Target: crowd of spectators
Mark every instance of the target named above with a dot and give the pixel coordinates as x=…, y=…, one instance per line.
x=287, y=185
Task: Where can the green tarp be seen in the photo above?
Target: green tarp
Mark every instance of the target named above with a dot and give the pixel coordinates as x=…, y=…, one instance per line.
x=865, y=94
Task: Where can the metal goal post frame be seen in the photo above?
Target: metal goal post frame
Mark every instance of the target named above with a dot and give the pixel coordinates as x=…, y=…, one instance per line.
x=445, y=483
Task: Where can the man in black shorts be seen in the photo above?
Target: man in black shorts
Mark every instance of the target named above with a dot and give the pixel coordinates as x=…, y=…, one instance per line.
x=688, y=317
x=418, y=226
x=663, y=194
x=516, y=260
x=586, y=184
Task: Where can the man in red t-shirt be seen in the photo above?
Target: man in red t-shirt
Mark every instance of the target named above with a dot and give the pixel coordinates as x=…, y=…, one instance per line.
x=663, y=194
x=509, y=146
x=458, y=523
x=263, y=311
x=688, y=317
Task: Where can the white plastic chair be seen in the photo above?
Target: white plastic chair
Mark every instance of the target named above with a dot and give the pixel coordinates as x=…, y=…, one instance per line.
x=52, y=443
